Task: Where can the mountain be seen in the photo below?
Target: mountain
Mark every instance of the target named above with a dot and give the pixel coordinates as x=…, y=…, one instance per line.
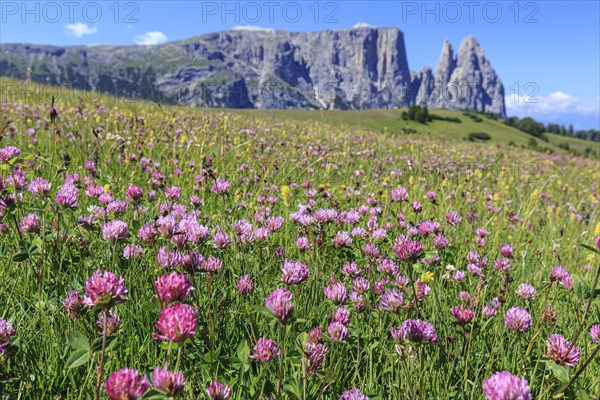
x=357, y=68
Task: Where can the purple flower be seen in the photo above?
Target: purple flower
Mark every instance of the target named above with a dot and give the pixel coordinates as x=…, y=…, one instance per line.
x=562, y=351
x=126, y=384
x=168, y=259
x=595, y=334
x=105, y=290
x=218, y=391
x=489, y=312
x=342, y=315
x=265, y=350
x=279, y=303
x=132, y=251
x=526, y=291
x=134, y=194
x=399, y=194
x=220, y=186
x=388, y=266
x=517, y=319
x=147, y=233
x=506, y=386
x=221, y=239
x=453, y=218
x=316, y=354
x=8, y=153
x=336, y=292
x=173, y=287
x=113, y=323
x=172, y=383
x=245, y=286
x=506, y=250
x=342, y=239
x=6, y=332
x=415, y=331
x=462, y=315
x=294, y=272
x=391, y=300
x=115, y=231
x=353, y=394
x=67, y=196
x=562, y=276
x=40, y=186
x=337, y=331
x=177, y=323
x=31, y=224
x=212, y=265
x=502, y=264
x=73, y=304
x=408, y=249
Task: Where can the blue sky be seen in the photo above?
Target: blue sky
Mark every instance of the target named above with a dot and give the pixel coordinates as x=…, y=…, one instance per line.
x=547, y=51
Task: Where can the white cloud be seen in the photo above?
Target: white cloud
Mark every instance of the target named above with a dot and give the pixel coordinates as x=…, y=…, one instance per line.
x=151, y=38
x=363, y=25
x=557, y=102
x=251, y=28
x=557, y=107
x=79, y=29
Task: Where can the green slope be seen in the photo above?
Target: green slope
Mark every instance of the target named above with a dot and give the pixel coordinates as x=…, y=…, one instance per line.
x=389, y=121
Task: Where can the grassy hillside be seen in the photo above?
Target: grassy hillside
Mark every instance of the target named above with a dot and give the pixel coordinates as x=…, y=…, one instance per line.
x=386, y=121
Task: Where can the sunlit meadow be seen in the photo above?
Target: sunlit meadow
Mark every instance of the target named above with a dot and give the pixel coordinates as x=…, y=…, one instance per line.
x=154, y=252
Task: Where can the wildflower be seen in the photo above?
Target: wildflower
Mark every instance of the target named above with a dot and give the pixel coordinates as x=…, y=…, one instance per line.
x=8, y=153
x=453, y=218
x=176, y=323
x=526, y=291
x=221, y=240
x=132, y=251
x=506, y=250
x=147, y=233
x=342, y=315
x=172, y=383
x=502, y=264
x=361, y=284
x=31, y=224
x=105, y=290
x=353, y=394
x=218, y=391
x=462, y=315
x=391, y=300
x=489, y=312
x=115, y=231
x=40, y=186
x=561, y=351
x=212, y=265
x=336, y=292
x=6, y=332
x=265, y=350
x=562, y=276
x=73, y=304
x=422, y=290
x=279, y=303
x=388, y=266
x=337, y=331
x=67, y=196
x=517, y=319
x=173, y=287
x=506, y=386
x=168, y=259
x=294, y=272
x=595, y=334
x=351, y=269
x=399, y=194
x=342, y=239
x=220, y=186
x=245, y=286
x=415, y=331
x=134, y=194
x=316, y=354
x=408, y=249
x=126, y=384
x=113, y=323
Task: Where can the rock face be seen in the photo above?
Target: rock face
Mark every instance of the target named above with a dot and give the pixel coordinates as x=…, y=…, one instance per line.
x=356, y=68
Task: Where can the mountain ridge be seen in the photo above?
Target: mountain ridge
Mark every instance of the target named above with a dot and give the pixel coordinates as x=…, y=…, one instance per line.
x=352, y=68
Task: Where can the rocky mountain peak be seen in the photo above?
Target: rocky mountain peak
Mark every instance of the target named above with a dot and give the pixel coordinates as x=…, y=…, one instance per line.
x=355, y=68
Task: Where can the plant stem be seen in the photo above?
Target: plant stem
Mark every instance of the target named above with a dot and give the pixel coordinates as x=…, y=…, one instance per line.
x=101, y=365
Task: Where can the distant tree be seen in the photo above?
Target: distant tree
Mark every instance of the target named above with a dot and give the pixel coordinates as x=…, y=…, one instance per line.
x=531, y=126
x=571, y=132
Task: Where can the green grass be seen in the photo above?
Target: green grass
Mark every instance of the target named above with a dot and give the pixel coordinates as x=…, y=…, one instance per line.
x=279, y=164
